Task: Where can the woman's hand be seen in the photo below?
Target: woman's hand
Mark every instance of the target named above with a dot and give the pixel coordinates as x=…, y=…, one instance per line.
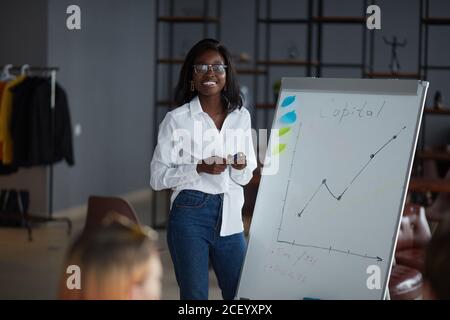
x=239, y=161
x=212, y=165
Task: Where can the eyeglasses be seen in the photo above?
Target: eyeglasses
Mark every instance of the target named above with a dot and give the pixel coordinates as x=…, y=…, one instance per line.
x=216, y=68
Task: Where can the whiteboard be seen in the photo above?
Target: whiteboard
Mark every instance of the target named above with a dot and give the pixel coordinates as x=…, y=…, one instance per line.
x=325, y=224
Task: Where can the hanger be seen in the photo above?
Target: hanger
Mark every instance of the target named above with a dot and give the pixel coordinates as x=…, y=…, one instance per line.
x=24, y=70
x=6, y=75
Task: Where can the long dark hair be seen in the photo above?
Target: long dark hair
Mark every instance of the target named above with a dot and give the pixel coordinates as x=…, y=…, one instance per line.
x=231, y=95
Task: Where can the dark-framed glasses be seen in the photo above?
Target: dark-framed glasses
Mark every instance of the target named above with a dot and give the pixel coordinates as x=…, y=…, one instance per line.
x=216, y=68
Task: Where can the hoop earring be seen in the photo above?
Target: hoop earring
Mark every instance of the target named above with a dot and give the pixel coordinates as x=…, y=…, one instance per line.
x=192, y=86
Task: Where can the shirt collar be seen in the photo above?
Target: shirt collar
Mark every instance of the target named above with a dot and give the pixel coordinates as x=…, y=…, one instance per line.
x=195, y=106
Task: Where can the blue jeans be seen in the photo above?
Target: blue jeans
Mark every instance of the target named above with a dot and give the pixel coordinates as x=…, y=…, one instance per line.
x=193, y=236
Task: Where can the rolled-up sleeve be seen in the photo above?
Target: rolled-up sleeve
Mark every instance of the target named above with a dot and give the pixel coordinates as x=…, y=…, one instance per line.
x=244, y=176
x=165, y=173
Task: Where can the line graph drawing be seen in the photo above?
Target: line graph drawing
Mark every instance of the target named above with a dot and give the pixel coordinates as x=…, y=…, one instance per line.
x=335, y=196
x=339, y=197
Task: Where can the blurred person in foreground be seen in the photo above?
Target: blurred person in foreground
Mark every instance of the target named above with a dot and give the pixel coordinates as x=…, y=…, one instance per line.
x=118, y=260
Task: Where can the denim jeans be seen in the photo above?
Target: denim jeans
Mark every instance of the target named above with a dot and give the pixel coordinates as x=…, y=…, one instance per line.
x=194, y=240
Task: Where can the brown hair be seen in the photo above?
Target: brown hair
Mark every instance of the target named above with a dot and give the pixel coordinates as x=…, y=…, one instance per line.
x=231, y=96
x=110, y=257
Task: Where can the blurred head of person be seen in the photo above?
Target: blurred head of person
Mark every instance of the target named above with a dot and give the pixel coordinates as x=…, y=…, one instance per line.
x=437, y=264
x=117, y=261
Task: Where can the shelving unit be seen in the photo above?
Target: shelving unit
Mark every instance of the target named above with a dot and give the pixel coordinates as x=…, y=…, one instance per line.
x=426, y=21
x=371, y=73
x=321, y=20
x=266, y=59
x=421, y=184
x=168, y=60
x=313, y=67
x=396, y=75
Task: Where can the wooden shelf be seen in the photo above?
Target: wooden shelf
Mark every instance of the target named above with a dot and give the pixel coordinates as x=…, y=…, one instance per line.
x=436, y=21
x=283, y=21
x=340, y=65
x=403, y=75
x=437, y=111
x=433, y=185
x=265, y=106
x=435, y=67
x=250, y=71
x=331, y=19
x=171, y=61
x=189, y=19
x=287, y=62
x=434, y=155
x=327, y=19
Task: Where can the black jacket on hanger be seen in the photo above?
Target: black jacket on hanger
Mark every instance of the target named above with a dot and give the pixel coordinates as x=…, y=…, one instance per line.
x=21, y=123
x=38, y=138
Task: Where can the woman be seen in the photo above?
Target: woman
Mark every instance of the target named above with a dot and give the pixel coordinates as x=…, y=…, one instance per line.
x=205, y=155
x=117, y=261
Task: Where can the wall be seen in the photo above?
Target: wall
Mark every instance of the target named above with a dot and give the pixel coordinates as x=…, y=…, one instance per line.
x=24, y=38
x=107, y=70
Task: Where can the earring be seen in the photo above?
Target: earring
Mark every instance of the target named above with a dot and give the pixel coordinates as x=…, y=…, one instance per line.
x=192, y=86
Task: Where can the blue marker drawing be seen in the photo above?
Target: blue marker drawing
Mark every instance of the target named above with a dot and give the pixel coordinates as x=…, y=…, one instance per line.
x=288, y=101
x=289, y=117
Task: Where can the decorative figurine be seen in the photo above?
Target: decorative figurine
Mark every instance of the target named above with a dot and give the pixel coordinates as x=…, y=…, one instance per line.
x=395, y=64
x=438, y=100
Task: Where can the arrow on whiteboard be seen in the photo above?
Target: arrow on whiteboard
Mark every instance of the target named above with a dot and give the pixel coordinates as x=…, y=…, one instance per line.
x=329, y=249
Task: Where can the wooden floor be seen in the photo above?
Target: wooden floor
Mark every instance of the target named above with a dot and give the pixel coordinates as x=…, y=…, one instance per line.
x=30, y=270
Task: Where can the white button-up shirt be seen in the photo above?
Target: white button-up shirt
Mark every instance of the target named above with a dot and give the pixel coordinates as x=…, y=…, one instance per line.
x=187, y=135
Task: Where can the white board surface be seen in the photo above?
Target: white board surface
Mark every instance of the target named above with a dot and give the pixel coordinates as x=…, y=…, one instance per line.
x=325, y=225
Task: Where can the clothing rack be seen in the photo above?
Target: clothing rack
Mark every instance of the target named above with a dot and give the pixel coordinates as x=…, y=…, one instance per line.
x=51, y=72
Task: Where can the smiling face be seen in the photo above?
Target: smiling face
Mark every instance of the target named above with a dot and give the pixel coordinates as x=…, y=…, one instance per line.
x=210, y=83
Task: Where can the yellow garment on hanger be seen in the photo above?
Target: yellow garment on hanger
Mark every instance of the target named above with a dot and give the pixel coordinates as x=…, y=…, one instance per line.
x=5, y=120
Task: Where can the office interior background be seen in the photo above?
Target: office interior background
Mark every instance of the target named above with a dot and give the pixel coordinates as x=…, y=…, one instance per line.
x=119, y=71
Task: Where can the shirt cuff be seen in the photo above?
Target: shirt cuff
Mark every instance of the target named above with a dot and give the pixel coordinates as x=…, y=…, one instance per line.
x=190, y=172
x=240, y=176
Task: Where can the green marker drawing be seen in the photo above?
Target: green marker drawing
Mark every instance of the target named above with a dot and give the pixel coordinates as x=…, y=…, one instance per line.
x=283, y=131
x=279, y=149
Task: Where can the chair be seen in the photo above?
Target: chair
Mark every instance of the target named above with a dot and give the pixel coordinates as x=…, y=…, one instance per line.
x=413, y=237
x=99, y=207
x=406, y=280
x=406, y=283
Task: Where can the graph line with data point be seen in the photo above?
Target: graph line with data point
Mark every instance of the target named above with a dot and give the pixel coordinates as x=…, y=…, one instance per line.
x=334, y=195
x=364, y=167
